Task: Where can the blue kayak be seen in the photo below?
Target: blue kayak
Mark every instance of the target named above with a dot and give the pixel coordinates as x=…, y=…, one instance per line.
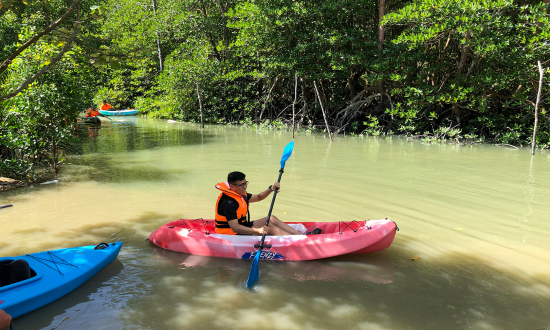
x=118, y=112
x=53, y=274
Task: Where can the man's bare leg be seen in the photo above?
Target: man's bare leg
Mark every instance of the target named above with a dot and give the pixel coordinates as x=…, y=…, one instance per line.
x=279, y=228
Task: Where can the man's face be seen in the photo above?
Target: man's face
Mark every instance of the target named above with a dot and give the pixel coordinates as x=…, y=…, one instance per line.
x=240, y=187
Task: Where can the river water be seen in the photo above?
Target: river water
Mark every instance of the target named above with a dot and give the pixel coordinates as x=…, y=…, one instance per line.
x=477, y=216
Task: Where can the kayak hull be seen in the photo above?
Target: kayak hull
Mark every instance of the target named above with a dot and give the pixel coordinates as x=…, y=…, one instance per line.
x=58, y=272
x=118, y=112
x=196, y=236
x=91, y=121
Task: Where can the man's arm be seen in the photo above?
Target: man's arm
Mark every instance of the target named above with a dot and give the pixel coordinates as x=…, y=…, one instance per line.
x=5, y=320
x=263, y=195
x=240, y=229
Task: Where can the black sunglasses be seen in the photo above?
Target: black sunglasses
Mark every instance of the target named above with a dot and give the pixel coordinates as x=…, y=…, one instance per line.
x=242, y=185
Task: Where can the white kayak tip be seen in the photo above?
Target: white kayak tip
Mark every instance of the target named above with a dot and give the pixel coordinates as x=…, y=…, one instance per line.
x=50, y=182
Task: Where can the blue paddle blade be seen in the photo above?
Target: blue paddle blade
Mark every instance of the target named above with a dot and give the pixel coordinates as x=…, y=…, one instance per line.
x=254, y=271
x=286, y=153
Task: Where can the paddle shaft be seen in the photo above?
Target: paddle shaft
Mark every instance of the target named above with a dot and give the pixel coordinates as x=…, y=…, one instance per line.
x=4, y=206
x=281, y=171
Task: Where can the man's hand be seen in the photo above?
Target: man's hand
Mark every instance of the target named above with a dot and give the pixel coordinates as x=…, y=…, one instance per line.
x=5, y=320
x=276, y=185
x=262, y=230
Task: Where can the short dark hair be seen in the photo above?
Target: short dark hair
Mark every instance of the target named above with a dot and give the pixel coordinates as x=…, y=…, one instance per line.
x=233, y=177
x=104, y=101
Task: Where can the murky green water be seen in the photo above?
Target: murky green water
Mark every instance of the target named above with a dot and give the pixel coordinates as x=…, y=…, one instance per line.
x=478, y=217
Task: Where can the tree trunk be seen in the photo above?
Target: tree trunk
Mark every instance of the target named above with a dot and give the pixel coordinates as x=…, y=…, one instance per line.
x=327, y=107
x=267, y=99
x=306, y=101
x=161, y=64
x=465, y=50
x=541, y=72
x=202, y=9
x=226, y=31
x=381, y=12
x=200, y=103
x=294, y=103
x=322, y=110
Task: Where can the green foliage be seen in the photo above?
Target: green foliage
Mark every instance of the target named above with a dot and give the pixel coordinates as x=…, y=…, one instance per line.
x=469, y=62
x=445, y=70
x=37, y=125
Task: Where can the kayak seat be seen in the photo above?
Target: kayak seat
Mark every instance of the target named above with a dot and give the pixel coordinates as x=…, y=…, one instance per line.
x=13, y=271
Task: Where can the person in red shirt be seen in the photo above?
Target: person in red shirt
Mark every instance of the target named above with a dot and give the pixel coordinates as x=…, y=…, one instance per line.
x=106, y=106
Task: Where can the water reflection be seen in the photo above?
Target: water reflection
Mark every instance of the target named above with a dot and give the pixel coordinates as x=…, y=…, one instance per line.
x=375, y=267
x=124, y=134
x=103, y=144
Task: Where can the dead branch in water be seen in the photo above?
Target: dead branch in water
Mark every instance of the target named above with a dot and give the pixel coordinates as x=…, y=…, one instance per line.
x=267, y=99
x=506, y=145
x=322, y=109
x=294, y=103
x=541, y=72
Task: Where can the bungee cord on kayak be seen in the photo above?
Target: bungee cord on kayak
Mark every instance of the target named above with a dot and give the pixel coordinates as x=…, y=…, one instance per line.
x=51, y=255
x=202, y=225
x=360, y=224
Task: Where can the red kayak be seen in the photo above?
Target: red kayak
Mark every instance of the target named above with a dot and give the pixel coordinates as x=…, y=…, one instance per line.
x=197, y=236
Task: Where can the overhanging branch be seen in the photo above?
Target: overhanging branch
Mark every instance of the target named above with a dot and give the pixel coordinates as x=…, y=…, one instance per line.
x=47, y=67
x=34, y=39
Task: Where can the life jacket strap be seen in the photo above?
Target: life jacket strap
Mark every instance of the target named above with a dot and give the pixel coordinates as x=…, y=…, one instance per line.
x=225, y=224
x=222, y=224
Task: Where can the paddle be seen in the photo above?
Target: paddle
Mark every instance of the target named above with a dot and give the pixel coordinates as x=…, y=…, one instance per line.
x=102, y=115
x=254, y=270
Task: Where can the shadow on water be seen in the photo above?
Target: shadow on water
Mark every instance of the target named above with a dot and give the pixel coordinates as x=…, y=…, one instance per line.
x=385, y=290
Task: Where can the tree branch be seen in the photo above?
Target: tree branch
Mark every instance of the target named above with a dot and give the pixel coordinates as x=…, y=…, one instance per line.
x=504, y=97
x=34, y=39
x=47, y=67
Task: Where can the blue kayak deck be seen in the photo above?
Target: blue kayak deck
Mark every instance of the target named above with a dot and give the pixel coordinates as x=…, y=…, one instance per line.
x=58, y=272
x=118, y=112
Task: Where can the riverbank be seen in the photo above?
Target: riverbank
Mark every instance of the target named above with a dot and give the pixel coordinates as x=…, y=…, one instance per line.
x=8, y=184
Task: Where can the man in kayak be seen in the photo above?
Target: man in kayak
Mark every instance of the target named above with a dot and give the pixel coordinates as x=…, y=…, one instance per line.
x=106, y=106
x=92, y=113
x=232, y=210
x=5, y=320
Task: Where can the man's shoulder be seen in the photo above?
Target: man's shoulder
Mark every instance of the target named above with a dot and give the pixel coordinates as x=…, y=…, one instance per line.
x=228, y=200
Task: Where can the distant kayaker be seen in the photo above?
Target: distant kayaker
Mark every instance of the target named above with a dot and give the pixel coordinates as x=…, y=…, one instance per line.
x=232, y=210
x=5, y=320
x=92, y=113
x=106, y=106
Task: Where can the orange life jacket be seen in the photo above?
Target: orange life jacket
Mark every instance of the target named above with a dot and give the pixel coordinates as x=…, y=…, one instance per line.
x=222, y=226
x=106, y=106
x=92, y=113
